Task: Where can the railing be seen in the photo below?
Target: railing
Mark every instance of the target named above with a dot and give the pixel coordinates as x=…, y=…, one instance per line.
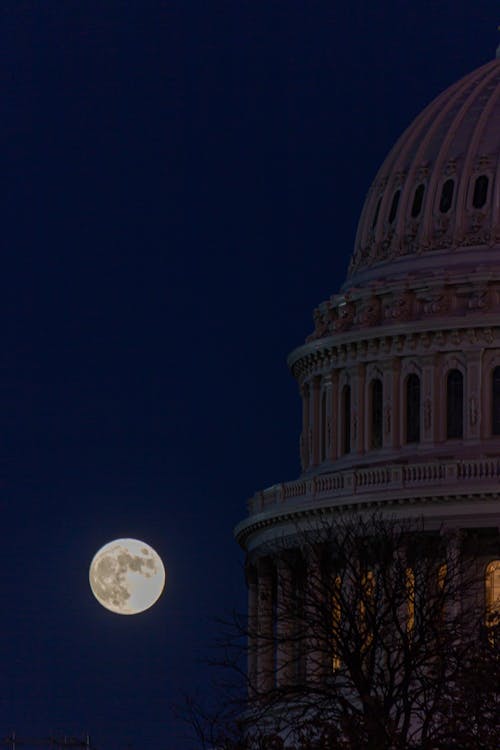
x=367, y=480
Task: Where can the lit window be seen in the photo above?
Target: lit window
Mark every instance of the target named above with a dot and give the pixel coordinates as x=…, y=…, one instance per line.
x=492, y=586
x=454, y=404
x=376, y=414
x=394, y=206
x=366, y=605
x=496, y=402
x=413, y=409
x=446, y=196
x=336, y=622
x=410, y=600
x=346, y=419
x=418, y=199
x=480, y=191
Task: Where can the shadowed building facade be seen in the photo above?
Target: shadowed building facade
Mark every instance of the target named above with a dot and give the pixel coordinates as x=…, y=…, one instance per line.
x=400, y=380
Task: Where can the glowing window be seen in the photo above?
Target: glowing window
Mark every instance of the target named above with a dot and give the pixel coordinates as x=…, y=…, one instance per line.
x=336, y=622
x=418, y=199
x=492, y=585
x=394, y=206
x=495, y=402
x=480, y=191
x=413, y=409
x=376, y=413
x=454, y=404
x=446, y=196
x=410, y=600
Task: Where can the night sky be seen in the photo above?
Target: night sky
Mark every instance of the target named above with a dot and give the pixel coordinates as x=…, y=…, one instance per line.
x=182, y=182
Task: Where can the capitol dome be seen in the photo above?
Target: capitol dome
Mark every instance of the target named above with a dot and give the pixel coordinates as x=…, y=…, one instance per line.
x=438, y=191
x=399, y=380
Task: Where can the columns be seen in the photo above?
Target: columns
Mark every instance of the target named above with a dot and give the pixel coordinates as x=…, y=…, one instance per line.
x=285, y=624
x=265, y=627
x=252, y=630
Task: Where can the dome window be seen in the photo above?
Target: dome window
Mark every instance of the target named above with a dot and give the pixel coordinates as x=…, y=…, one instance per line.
x=394, y=206
x=376, y=416
x=418, y=199
x=454, y=404
x=480, y=191
x=413, y=409
x=377, y=211
x=446, y=196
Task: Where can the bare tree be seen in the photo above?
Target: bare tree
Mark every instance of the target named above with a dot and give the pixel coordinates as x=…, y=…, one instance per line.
x=380, y=642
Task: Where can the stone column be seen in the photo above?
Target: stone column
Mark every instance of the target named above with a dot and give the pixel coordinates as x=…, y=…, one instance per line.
x=316, y=655
x=252, y=630
x=428, y=398
x=315, y=420
x=334, y=416
x=358, y=409
x=392, y=374
x=285, y=625
x=304, y=438
x=472, y=395
x=265, y=626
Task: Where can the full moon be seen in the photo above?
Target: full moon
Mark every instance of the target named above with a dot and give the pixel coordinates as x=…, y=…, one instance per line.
x=127, y=576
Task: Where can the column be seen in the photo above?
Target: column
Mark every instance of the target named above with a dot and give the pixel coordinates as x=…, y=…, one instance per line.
x=428, y=421
x=265, y=626
x=358, y=408
x=304, y=438
x=252, y=630
x=317, y=646
x=334, y=416
x=472, y=395
x=285, y=625
x=315, y=419
x=390, y=432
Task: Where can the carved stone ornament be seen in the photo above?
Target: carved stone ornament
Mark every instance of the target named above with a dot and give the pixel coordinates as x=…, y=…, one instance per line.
x=369, y=314
x=399, y=309
x=434, y=304
x=478, y=300
x=345, y=316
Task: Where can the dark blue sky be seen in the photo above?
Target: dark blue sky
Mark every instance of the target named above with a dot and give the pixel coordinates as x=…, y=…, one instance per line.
x=182, y=182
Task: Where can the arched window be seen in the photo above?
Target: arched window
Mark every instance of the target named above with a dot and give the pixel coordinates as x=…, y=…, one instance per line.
x=377, y=211
x=394, y=206
x=446, y=196
x=495, y=402
x=346, y=419
x=376, y=413
x=413, y=409
x=492, y=591
x=418, y=199
x=480, y=191
x=323, y=440
x=454, y=404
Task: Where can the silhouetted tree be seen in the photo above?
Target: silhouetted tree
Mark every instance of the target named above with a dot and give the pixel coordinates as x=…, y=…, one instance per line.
x=380, y=643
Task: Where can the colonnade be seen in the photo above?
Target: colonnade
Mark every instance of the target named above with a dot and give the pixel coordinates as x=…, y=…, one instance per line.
x=330, y=430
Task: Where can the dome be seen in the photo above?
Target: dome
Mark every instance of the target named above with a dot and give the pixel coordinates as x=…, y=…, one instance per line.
x=438, y=191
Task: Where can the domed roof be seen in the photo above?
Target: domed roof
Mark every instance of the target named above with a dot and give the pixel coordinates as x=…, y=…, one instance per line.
x=438, y=192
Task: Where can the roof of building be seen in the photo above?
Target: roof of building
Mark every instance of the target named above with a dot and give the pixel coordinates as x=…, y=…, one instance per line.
x=438, y=190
